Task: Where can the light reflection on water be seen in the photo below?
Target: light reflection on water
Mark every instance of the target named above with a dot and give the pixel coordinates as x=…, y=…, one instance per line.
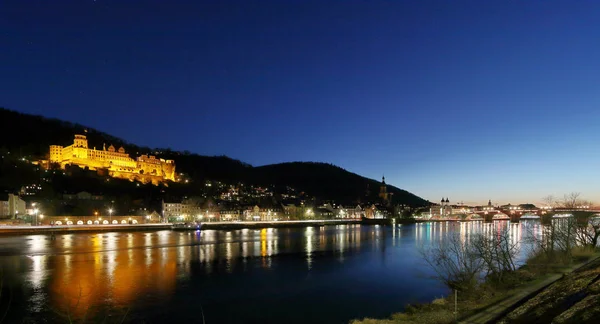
x=338, y=272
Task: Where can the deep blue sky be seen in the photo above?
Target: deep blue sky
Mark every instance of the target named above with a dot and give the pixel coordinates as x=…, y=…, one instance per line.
x=467, y=99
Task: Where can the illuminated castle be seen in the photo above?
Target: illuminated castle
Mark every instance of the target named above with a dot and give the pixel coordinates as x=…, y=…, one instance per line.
x=118, y=163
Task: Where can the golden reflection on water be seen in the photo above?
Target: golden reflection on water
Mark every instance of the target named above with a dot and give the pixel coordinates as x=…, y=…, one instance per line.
x=309, y=246
x=263, y=242
x=118, y=274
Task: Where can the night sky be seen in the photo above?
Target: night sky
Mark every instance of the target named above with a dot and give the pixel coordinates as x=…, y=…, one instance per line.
x=473, y=100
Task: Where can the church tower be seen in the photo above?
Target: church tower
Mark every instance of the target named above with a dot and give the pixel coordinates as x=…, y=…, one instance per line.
x=383, y=190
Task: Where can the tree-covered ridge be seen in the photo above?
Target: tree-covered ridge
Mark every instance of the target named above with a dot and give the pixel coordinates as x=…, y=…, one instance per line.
x=320, y=179
x=29, y=136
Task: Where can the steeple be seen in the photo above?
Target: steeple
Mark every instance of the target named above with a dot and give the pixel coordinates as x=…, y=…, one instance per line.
x=383, y=190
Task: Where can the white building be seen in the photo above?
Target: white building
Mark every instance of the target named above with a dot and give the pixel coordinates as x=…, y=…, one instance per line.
x=186, y=211
x=442, y=210
x=13, y=206
x=349, y=212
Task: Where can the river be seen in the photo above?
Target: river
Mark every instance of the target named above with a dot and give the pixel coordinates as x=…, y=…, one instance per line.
x=328, y=274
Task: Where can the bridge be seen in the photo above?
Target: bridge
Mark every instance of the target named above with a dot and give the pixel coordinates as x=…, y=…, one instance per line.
x=516, y=214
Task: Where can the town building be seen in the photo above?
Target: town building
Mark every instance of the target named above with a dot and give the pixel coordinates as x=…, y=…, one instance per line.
x=13, y=206
x=444, y=209
x=30, y=190
x=350, y=212
x=489, y=207
x=261, y=214
x=290, y=211
x=230, y=215
x=376, y=212
x=324, y=213
x=181, y=210
x=146, y=168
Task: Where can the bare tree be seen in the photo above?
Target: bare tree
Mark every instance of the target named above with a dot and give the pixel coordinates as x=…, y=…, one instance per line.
x=571, y=200
x=550, y=200
x=555, y=241
x=498, y=253
x=456, y=263
x=588, y=232
x=565, y=234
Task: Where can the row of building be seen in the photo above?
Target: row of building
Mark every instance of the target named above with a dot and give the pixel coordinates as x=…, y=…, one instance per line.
x=183, y=211
x=446, y=209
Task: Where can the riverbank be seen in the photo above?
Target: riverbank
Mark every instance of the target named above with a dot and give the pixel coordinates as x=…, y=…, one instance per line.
x=572, y=298
x=512, y=305
x=65, y=229
x=562, y=293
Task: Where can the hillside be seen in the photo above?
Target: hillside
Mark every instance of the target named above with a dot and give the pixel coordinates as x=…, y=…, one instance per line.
x=321, y=179
x=29, y=136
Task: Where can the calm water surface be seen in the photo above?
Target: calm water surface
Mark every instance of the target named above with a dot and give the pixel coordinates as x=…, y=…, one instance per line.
x=328, y=274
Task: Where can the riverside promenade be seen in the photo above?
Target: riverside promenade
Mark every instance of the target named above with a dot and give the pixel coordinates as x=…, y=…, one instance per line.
x=59, y=229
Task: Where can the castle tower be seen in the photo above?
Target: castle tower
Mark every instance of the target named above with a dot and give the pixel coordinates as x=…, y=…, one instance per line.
x=55, y=153
x=80, y=141
x=383, y=190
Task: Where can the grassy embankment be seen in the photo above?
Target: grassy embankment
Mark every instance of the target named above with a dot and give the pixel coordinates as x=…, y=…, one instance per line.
x=575, y=298
x=489, y=293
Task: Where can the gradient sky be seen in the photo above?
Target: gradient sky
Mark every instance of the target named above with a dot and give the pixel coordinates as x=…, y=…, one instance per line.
x=473, y=100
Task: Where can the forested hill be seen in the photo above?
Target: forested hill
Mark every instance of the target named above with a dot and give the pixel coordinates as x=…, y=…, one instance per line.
x=320, y=179
x=29, y=136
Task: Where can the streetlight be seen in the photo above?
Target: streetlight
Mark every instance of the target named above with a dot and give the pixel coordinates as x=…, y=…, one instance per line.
x=36, y=213
x=110, y=211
